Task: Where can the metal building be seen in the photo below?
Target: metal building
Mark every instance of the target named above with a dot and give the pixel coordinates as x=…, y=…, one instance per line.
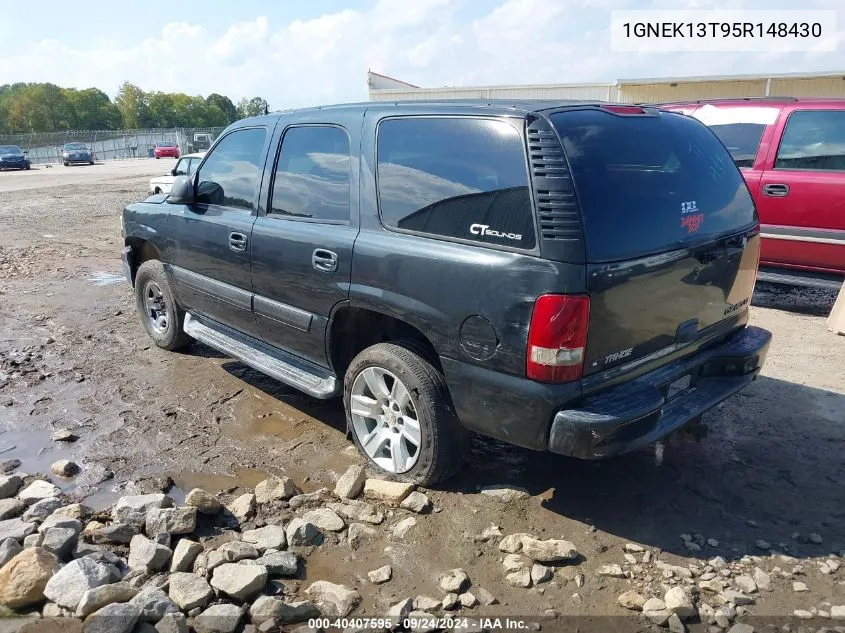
x=827, y=84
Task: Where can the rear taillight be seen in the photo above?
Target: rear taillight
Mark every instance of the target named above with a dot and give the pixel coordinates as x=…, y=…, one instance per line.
x=623, y=109
x=557, y=338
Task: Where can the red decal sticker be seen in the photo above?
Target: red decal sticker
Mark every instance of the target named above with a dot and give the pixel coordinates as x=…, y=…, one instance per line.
x=692, y=222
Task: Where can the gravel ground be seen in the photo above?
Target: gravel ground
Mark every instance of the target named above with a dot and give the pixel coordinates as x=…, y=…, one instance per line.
x=764, y=469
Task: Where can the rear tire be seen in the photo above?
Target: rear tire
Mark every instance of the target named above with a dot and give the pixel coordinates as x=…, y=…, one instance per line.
x=156, y=304
x=410, y=402
x=66, y=164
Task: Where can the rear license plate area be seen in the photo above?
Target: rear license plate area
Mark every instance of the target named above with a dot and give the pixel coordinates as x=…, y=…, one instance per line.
x=678, y=387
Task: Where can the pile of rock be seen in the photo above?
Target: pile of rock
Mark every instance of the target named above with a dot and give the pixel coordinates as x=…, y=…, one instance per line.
x=526, y=558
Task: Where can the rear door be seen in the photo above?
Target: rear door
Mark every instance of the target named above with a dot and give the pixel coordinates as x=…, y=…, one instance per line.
x=211, y=262
x=670, y=231
x=802, y=191
x=302, y=243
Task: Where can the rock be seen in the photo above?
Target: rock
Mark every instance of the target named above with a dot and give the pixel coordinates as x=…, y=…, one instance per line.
x=548, y=551
x=68, y=585
x=42, y=509
x=133, y=509
x=268, y=537
x=814, y=538
x=113, y=618
x=184, y=555
x=799, y=587
x=300, y=533
x=232, y=552
x=325, y=519
x=655, y=610
x=612, y=571
x=115, y=533
x=60, y=541
x=711, y=586
x=33, y=540
x=274, y=489
x=239, y=581
x=401, y=529
x=451, y=601
x=9, y=465
x=9, y=486
x=426, y=603
x=416, y=502
x=679, y=602
x=762, y=580
x=154, y=604
x=243, y=508
x=15, y=529
x=358, y=511
x=189, y=591
x=737, y=597
x=38, y=490
x=540, y=574
x=380, y=575
x=46, y=624
x=741, y=627
x=454, y=581
x=333, y=600
x=8, y=550
x=485, y=598
x=801, y=614
x=203, y=501
x=837, y=612
x=675, y=624
x=318, y=496
x=220, y=618
x=274, y=610
x=761, y=544
x=171, y=521
x=172, y=623
x=351, y=483
x=633, y=548
x=279, y=563
x=24, y=577
x=399, y=611
x=59, y=521
x=64, y=435
x=392, y=492
x=505, y=492
x=745, y=583
x=99, y=597
x=680, y=572
x=65, y=468
x=516, y=562
x=468, y=600
x=521, y=578
x=147, y=555
x=357, y=534
x=10, y=508
x=631, y=600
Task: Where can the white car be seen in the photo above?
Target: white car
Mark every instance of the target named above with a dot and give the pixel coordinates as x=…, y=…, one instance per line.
x=185, y=167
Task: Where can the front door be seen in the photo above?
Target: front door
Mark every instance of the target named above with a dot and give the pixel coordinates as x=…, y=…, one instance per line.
x=302, y=246
x=211, y=265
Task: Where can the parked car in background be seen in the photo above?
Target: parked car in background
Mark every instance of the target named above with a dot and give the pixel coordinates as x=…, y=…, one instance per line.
x=166, y=149
x=431, y=264
x=791, y=152
x=200, y=142
x=185, y=167
x=77, y=153
x=13, y=157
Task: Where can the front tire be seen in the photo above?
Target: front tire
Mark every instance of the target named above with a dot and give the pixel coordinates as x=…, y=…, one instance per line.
x=401, y=416
x=156, y=304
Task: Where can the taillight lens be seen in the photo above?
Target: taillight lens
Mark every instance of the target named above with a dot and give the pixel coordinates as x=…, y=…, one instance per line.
x=557, y=338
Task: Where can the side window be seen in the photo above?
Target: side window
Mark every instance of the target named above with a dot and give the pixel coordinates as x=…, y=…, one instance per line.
x=460, y=178
x=813, y=139
x=182, y=167
x=232, y=172
x=312, y=174
x=741, y=139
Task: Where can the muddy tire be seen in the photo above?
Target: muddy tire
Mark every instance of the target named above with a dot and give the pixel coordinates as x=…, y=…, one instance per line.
x=156, y=303
x=401, y=417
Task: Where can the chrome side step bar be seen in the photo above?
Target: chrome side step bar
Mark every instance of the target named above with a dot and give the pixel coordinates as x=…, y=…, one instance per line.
x=296, y=372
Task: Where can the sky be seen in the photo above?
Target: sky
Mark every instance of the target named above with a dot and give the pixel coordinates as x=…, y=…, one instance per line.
x=317, y=52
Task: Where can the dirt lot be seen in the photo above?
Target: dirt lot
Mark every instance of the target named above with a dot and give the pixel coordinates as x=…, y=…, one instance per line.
x=767, y=464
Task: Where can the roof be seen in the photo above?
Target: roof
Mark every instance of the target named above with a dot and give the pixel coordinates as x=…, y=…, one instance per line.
x=399, y=81
x=741, y=101
x=709, y=78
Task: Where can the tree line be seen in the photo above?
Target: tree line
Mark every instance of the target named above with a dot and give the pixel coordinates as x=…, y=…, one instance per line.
x=45, y=107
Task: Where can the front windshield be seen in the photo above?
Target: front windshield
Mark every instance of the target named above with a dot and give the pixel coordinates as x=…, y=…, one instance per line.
x=10, y=149
x=167, y=144
x=71, y=146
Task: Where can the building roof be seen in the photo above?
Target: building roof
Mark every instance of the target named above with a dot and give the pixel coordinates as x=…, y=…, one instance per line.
x=710, y=78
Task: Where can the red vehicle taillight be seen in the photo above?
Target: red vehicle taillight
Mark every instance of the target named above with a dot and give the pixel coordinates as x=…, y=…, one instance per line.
x=557, y=338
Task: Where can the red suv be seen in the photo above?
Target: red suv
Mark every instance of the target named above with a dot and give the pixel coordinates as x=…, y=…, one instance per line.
x=791, y=153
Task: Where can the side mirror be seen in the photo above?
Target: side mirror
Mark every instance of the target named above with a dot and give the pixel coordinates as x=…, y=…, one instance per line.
x=26, y=152
x=173, y=172
x=181, y=191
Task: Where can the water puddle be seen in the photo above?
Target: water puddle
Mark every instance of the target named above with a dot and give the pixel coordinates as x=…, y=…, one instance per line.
x=103, y=278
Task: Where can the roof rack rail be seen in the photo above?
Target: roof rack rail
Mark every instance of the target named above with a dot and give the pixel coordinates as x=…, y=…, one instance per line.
x=718, y=99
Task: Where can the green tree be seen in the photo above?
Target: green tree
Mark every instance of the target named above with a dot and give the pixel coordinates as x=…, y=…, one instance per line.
x=91, y=109
x=132, y=103
x=225, y=105
x=252, y=107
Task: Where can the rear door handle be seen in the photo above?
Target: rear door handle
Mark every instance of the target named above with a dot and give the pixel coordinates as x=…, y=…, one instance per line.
x=324, y=260
x=776, y=190
x=237, y=242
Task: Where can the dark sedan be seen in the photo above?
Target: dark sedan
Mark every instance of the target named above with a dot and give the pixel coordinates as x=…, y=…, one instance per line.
x=77, y=153
x=12, y=157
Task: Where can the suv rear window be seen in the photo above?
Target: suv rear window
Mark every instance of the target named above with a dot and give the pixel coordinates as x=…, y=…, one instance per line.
x=461, y=178
x=647, y=184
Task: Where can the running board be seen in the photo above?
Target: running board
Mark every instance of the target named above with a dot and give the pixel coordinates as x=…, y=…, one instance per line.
x=284, y=367
x=799, y=278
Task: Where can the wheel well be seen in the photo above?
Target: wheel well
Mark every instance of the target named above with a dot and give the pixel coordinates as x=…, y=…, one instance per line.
x=142, y=251
x=355, y=329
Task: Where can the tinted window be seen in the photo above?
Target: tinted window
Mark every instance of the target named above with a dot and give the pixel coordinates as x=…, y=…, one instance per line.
x=650, y=183
x=813, y=140
x=741, y=139
x=312, y=175
x=232, y=171
x=460, y=178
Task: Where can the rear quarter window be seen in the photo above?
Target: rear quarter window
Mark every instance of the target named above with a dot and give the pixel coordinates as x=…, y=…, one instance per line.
x=460, y=178
x=647, y=184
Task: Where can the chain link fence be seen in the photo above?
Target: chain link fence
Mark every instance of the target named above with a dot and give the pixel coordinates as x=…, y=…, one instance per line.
x=46, y=147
